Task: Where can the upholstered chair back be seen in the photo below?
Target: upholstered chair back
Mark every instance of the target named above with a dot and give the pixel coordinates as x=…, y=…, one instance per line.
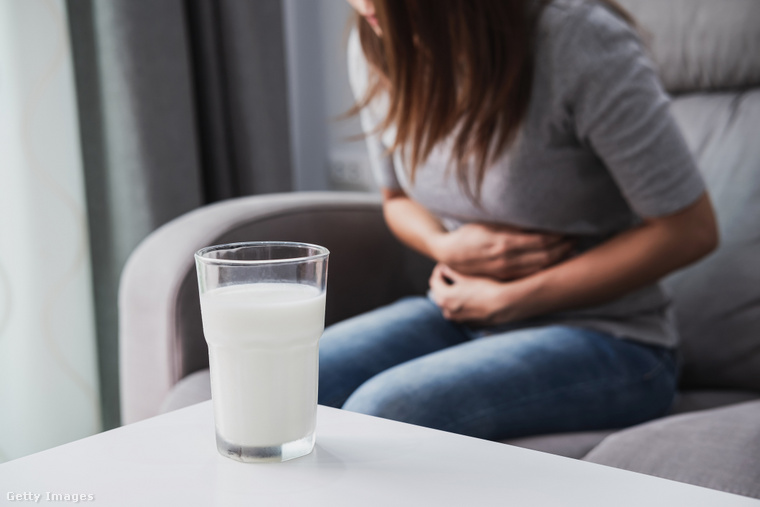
x=708, y=56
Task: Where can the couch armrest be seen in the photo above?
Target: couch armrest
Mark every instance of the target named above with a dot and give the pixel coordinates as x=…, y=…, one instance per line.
x=160, y=334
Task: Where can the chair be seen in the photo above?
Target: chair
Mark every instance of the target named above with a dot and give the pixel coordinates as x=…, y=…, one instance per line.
x=160, y=334
x=708, y=55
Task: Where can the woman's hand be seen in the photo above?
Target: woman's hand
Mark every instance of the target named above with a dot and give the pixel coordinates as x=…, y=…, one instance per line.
x=474, y=299
x=633, y=259
x=494, y=251
x=499, y=252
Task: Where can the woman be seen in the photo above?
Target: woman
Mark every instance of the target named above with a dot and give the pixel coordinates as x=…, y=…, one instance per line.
x=527, y=147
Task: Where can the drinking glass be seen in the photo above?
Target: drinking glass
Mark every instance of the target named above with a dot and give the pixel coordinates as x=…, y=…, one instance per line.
x=263, y=310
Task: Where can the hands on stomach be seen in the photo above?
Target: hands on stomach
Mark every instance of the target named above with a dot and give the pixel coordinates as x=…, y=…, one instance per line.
x=476, y=262
x=499, y=252
x=479, y=265
x=626, y=262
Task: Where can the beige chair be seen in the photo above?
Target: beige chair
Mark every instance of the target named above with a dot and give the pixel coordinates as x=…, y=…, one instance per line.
x=161, y=339
x=708, y=53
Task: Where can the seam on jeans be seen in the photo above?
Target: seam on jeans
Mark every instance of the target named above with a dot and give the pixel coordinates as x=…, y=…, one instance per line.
x=654, y=371
x=483, y=413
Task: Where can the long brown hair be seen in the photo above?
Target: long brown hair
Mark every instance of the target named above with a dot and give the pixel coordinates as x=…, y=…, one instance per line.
x=461, y=67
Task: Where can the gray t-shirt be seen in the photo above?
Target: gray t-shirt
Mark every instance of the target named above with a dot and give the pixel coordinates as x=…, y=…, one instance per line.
x=598, y=151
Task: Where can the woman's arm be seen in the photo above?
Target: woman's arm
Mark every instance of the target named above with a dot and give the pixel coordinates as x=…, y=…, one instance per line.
x=488, y=250
x=410, y=222
x=631, y=260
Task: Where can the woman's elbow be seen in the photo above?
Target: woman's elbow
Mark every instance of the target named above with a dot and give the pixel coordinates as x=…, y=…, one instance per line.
x=701, y=224
x=707, y=239
x=689, y=234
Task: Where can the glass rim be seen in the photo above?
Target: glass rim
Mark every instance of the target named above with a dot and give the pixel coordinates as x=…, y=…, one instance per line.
x=321, y=253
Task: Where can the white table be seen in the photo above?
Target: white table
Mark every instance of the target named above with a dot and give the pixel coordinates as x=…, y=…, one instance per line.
x=359, y=461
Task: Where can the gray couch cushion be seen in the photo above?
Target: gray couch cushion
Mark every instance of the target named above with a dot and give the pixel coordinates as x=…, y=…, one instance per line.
x=578, y=445
x=571, y=445
x=717, y=301
x=702, y=44
x=717, y=449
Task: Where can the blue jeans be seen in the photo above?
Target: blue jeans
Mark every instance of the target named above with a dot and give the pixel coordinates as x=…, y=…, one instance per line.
x=406, y=362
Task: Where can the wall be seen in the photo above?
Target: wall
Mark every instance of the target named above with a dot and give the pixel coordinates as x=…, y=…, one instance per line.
x=48, y=377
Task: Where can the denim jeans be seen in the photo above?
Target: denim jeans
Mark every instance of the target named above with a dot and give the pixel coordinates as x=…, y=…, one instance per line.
x=406, y=362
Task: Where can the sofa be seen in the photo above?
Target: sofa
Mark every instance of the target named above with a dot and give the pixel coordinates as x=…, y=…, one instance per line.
x=708, y=55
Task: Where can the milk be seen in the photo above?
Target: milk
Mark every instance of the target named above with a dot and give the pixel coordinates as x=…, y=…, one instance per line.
x=263, y=355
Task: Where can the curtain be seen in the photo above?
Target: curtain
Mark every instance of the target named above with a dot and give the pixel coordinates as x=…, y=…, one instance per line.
x=181, y=103
x=239, y=79
x=138, y=141
x=117, y=116
x=48, y=377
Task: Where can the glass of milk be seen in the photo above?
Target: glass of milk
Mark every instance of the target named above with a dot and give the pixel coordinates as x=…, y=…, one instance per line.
x=263, y=309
